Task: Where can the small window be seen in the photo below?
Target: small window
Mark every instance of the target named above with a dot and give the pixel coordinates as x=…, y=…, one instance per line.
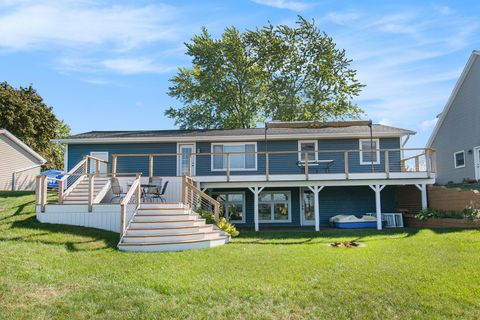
x=310, y=145
x=459, y=158
x=233, y=206
x=274, y=207
x=369, y=157
x=239, y=158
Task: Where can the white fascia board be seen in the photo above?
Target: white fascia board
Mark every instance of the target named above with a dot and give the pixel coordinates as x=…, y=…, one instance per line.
x=22, y=145
x=452, y=97
x=225, y=138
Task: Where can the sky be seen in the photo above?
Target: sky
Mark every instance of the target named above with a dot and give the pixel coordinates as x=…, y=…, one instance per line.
x=106, y=65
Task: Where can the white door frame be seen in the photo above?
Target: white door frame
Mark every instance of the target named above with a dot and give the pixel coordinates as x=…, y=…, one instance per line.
x=476, y=162
x=194, y=167
x=304, y=222
x=102, y=165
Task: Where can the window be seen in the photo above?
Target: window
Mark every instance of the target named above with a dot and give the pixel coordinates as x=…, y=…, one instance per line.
x=233, y=206
x=238, y=161
x=369, y=157
x=274, y=206
x=308, y=145
x=459, y=158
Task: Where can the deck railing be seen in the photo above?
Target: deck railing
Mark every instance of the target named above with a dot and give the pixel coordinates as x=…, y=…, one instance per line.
x=130, y=204
x=285, y=162
x=197, y=200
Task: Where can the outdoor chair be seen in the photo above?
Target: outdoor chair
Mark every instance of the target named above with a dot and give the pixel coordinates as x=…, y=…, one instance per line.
x=152, y=190
x=160, y=192
x=117, y=190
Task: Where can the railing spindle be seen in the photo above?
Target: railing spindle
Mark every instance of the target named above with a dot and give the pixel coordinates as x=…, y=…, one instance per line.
x=345, y=157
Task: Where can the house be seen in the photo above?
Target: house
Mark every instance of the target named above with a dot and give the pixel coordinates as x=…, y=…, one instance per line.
x=19, y=164
x=456, y=136
x=288, y=175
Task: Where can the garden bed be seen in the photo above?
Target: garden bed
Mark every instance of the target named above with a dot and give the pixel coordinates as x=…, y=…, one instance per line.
x=411, y=221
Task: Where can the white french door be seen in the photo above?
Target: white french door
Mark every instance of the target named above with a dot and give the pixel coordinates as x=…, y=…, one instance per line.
x=307, y=203
x=476, y=151
x=183, y=160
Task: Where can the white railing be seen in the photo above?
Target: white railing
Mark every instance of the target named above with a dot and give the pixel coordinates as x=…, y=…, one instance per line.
x=17, y=173
x=130, y=204
x=197, y=200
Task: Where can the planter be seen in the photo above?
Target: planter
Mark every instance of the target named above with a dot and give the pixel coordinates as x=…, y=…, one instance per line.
x=410, y=221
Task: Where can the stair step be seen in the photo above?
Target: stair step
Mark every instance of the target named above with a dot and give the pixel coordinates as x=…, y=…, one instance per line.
x=168, y=230
x=154, y=206
x=171, y=237
x=162, y=211
x=176, y=246
x=164, y=217
x=168, y=224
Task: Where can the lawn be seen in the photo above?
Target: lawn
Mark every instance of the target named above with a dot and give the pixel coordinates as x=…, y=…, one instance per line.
x=66, y=272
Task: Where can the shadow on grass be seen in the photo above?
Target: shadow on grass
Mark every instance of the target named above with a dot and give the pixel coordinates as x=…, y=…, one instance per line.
x=109, y=239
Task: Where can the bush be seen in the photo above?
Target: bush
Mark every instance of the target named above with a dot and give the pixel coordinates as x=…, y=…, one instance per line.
x=207, y=215
x=223, y=224
x=468, y=213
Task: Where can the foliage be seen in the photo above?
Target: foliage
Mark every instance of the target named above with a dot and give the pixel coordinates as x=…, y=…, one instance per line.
x=207, y=215
x=275, y=72
x=53, y=271
x=227, y=227
x=467, y=213
x=24, y=113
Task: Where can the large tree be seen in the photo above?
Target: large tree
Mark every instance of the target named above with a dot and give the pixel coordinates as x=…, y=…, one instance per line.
x=24, y=114
x=274, y=72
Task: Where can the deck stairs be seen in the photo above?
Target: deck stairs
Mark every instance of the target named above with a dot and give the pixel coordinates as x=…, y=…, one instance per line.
x=79, y=193
x=169, y=227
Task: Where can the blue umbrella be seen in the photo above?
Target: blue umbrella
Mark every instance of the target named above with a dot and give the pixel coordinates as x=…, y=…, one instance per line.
x=53, y=175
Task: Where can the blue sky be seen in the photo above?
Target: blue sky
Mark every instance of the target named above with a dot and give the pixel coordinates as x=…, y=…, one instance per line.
x=105, y=65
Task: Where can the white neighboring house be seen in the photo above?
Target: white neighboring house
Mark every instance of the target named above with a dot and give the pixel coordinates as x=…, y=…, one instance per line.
x=19, y=164
x=456, y=137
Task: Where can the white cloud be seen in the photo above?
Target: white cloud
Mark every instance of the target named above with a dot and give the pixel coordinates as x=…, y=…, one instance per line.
x=135, y=66
x=284, y=4
x=386, y=122
x=341, y=18
x=28, y=25
x=427, y=125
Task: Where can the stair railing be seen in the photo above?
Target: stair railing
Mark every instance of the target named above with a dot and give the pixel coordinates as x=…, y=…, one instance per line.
x=130, y=204
x=196, y=199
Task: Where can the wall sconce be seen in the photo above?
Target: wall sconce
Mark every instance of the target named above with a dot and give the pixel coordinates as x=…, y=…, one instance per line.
x=470, y=151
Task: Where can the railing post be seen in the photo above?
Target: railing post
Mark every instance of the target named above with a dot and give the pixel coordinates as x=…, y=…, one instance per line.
x=184, y=191
x=150, y=166
x=345, y=156
x=91, y=184
x=387, y=163
x=14, y=181
x=427, y=162
x=114, y=166
x=38, y=190
x=189, y=171
x=85, y=164
x=60, y=191
x=139, y=194
x=417, y=164
x=216, y=212
x=267, y=168
x=97, y=166
x=228, y=166
x=306, y=166
x=123, y=217
x=434, y=161
x=44, y=192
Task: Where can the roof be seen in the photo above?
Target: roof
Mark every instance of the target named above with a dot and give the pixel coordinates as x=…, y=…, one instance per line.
x=234, y=134
x=441, y=117
x=22, y=145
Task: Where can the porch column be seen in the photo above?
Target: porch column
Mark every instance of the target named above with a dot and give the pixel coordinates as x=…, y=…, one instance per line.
x=316, y=204
x=256, y=191
x=423, y=189
x=377, y=188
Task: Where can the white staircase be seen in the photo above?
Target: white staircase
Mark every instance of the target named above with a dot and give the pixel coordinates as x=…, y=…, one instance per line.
x=169, y=227
x=79, y=194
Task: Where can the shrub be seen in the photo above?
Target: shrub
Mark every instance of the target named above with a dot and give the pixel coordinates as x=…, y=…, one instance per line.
x=223, y=224
x=207, y=215
x=468, y=213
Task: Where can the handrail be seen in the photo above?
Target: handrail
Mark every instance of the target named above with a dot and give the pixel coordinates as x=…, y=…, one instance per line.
x=190, y=192
x=96, y=159
x=14, y=174
x=71, y=172
x=135, y=188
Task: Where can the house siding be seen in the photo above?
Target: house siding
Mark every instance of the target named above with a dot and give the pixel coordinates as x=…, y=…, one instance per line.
x=14, y=157
x=355, y=200
x=279, y=163
x=460, y=130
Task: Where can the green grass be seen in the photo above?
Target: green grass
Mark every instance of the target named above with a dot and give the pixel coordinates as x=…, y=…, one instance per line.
x=65, y=272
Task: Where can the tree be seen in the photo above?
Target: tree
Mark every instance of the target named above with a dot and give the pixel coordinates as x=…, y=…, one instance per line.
x=24, y=114
x=274, y=72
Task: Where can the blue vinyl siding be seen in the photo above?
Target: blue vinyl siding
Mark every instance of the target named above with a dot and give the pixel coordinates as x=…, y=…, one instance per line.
x=355, y=200
x=279, y=163
x=162, y=166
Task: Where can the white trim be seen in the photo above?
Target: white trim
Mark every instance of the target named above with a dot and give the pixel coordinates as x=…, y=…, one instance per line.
x=299, y=144
x=194, y=158
x=476, y=162
x=233, y=138
x=455, y=159
x=22, y=145
x=289, y=202
x=233, y=144
x=304, y=222
x=65, y=158
x=377, y=146
x=452, y=97
x=244, y=213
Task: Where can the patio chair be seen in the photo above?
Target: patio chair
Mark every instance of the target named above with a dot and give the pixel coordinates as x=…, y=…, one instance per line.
x=155, y=188
x=160, y=192
x=117, y=190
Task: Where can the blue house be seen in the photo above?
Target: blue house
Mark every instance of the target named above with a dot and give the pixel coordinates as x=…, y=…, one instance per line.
x=289, y=174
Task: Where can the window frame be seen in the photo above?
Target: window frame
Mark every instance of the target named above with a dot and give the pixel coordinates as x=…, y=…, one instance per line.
x=244, y=203
x=299, y=149
x=213, y=144
x=377, y=144
x=273, y=202
x=455, y=159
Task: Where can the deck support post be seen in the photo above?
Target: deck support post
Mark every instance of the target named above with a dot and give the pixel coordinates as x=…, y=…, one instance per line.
x=423, y=189
x=377, y=188
x=256, y=191
x=316, y=191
